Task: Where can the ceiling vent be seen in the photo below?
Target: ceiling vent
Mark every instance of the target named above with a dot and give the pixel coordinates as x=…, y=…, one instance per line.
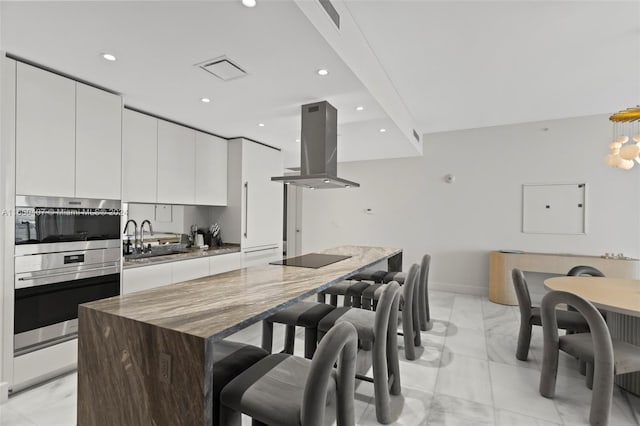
x=223, y=68
x=331, y=11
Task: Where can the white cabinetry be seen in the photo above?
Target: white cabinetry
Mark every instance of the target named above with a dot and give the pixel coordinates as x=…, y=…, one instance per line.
x=176, y=156
x=68, y=137
x=146, y=277
x=262, y=198
x=224, y=263
x=98, y=143
x=45, y=133
x=253, y=216
x=139, y=157
x=151, y=276
x=191, y=269
x=211, y=170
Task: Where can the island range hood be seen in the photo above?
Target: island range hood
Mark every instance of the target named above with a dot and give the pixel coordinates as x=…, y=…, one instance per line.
x=319, y=160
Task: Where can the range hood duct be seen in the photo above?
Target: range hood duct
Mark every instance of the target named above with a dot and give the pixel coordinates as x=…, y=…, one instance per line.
x=319, y=160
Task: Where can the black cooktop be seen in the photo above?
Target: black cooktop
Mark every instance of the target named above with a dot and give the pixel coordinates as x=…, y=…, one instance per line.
x=311, y=260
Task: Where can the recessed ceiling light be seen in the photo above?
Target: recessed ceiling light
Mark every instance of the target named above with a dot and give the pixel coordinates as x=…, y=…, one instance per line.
x=383, y=130
x=323, y=72
x=297, y=140
x=108, y=57
x=205, y=100
x=347, y=186
x=260, y=124
x=326, y=181
x=249, y=3
x=359, y=108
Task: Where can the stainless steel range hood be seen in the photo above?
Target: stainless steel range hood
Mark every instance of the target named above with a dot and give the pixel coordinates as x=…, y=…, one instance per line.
x=319, y=161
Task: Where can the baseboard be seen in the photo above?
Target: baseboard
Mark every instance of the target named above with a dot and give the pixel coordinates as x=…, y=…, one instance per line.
x=459, y=288
x=4, y=391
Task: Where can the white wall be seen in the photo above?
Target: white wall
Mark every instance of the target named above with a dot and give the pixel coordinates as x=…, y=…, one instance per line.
x=182, y=217
x=460, y=223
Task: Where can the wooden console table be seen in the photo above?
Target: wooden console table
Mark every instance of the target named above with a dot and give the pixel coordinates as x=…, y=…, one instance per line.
x=501, y=264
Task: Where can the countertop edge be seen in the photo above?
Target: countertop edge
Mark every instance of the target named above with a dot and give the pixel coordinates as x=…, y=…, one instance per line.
x=196, y=254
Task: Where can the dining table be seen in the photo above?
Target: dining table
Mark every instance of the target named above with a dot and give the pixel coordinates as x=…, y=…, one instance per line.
x=146, y=358
x=621, y=299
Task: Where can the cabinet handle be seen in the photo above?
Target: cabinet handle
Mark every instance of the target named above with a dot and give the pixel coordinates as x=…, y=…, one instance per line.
x=246, y=208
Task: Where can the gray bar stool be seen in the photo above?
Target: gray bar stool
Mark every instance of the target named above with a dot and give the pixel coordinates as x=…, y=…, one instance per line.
x=606, y=357
x=409, y=306
x=378, y=328
x=286, y=390
x=229, y=360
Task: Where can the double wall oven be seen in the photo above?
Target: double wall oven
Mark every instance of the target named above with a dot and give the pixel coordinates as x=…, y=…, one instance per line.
x=67, y=252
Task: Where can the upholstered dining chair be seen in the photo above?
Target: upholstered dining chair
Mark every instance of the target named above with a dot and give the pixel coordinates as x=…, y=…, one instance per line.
x=579, y=270
x=378, y=328
x=286, y=390
x=409, y=307
x=530, y=316
x=229, y=360
x=605, y=356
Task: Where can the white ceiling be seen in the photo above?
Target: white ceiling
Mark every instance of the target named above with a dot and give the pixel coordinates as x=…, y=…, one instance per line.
x=454, y=65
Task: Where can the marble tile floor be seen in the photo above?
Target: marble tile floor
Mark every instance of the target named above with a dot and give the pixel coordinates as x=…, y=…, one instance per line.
x=467, y=374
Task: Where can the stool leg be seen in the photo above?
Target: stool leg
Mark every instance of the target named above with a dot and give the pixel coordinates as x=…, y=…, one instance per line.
x=333, y=299
x=229, y=417
x=289, y=339
x=382, y=398
x=255, y=422
x=320, y=298
x=267, y=335
x=310, y=342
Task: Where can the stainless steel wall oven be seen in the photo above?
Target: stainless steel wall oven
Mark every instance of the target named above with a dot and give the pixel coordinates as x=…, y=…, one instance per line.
x=67, y=253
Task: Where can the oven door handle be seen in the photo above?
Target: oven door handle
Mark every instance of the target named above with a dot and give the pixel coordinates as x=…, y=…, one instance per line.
x=24, y=282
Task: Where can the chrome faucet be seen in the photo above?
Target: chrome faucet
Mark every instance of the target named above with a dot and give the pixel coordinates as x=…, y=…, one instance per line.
x=142, y=233
x=135, y=233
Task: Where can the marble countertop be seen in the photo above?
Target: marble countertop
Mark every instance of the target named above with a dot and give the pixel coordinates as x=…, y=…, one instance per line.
x=219, y=305
x=191, y=254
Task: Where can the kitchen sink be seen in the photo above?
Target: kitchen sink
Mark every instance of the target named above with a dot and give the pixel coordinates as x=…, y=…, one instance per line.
x=157, y=251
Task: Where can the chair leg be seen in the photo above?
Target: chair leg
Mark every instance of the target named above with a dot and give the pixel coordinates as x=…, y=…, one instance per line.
x=381, y=381
x=267, y=335
x=602, y=394
x=524, y=341
x=549, y=370
x=408, y=332
x=393, y=358
x=589, y=375
x=422, y=310
x=321, y=298
x=310, y=342
x=417, y=338
x=229, y=417
x=289, y=339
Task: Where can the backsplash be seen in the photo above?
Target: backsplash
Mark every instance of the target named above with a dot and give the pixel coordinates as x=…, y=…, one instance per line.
x=167, y=218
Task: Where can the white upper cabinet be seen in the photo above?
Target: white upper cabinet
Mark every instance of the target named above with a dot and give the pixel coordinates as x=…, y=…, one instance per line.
x=98, y=143
x=45, y=133
x=262, y=199
x=139, y=157
x=211, y=170
x=176, y=158
x=68, y=137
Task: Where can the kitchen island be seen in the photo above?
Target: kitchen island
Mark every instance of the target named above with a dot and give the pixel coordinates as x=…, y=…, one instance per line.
x=146, y=358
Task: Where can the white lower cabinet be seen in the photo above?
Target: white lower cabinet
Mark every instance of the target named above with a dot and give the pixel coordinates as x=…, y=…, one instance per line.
x=151, y=276
x=225, y=263
x=185, y=270
x=146, y=277
x=261, y=256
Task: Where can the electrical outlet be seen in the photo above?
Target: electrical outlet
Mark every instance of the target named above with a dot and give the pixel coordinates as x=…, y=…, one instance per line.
x=165, y=368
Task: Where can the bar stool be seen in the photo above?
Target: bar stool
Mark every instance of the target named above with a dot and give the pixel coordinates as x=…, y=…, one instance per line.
x=229, y=360
x=380, y=329
x=409, y=306
x=303, y=314
x=286, y=390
